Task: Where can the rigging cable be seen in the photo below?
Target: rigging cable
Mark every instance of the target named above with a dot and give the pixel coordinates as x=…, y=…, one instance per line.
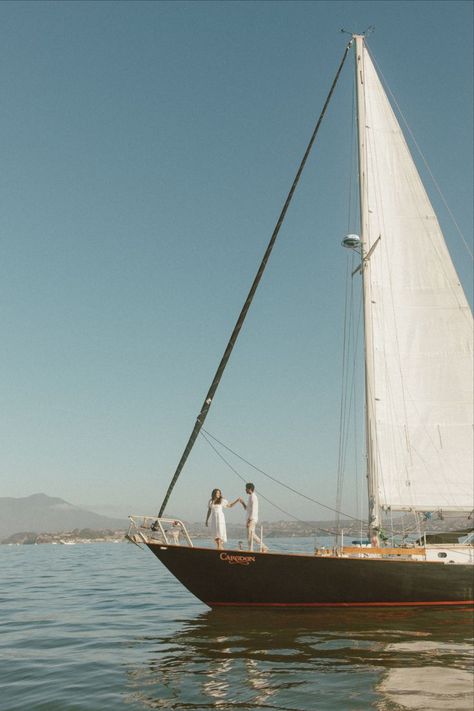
x=343, y=402
x=269, y=476
x=203, y=433
x=235, y=333
x=345, y=339
x=349, y=388
x=350, y=331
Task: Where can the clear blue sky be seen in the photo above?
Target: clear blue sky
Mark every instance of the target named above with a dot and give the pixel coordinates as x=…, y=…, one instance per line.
x=146, y=150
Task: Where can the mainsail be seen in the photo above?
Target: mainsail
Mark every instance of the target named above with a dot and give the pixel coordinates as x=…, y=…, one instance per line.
x=419, y=325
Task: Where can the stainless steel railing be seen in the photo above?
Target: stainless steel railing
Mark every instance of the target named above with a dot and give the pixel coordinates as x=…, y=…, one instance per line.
x=151, y=529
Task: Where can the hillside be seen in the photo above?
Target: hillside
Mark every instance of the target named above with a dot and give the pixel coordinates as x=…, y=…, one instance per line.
x=40, y=512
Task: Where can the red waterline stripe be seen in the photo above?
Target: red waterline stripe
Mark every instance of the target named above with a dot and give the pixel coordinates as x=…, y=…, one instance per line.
x=337, y=604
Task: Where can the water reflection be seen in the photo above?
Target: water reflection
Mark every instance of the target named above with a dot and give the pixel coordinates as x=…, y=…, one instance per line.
x=445, y=682
x=300, y=661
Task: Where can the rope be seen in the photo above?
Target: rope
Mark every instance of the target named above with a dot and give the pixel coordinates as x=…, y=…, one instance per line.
x=235, y=333
x=269, y=476
x=262, y=496
x=348, y=383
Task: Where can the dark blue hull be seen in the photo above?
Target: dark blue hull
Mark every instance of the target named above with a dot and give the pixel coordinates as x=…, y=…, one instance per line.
x=234, y=577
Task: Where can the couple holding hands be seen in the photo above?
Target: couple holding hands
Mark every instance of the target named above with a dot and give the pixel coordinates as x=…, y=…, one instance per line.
x=215, y=512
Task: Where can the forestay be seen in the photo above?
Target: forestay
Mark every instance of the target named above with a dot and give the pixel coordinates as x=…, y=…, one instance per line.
x=420, y=364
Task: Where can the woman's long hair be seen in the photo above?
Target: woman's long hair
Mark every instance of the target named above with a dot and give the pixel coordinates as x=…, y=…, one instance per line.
x=214, y=498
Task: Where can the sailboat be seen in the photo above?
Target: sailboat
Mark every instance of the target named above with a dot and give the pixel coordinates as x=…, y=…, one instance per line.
x=418, y=404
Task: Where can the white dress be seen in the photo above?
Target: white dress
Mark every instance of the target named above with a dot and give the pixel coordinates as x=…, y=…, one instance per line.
x=218, y=529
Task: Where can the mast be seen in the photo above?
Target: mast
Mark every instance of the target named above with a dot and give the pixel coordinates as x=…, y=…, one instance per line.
x=374, y=509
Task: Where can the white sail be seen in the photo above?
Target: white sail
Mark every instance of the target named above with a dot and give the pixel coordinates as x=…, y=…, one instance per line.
x=419, y=326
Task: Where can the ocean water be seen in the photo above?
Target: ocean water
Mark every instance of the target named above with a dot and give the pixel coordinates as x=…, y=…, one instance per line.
x=105, y=627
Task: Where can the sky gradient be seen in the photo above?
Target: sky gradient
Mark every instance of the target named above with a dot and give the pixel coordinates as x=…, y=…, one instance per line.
x=146, y=152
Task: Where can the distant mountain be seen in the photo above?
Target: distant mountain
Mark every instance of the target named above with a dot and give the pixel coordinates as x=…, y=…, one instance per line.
x=41, y=513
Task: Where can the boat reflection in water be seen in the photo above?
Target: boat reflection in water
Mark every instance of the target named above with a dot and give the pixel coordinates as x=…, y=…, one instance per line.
x=329, y=659
x=430, y=687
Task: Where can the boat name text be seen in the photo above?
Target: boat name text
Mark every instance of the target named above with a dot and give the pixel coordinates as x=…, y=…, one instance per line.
x=240, y=559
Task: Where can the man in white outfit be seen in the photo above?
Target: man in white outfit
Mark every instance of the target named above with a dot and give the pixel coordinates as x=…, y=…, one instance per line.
x=252, y=517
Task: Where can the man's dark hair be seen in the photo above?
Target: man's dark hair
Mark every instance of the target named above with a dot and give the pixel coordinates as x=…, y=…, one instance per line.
x=250, y=486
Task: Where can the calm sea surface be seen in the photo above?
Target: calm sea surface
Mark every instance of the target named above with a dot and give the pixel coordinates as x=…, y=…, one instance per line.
x=105, y=627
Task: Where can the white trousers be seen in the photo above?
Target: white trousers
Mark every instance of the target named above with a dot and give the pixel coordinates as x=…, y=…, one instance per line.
x=251, y=535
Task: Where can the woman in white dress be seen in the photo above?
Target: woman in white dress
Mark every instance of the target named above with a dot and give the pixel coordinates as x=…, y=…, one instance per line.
x=215, y=511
